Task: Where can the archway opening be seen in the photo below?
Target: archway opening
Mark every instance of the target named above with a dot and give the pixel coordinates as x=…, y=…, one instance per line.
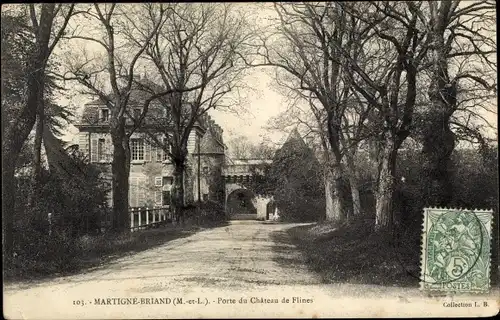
x=240, y=202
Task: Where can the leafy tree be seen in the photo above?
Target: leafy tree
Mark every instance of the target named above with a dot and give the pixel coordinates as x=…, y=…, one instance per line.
x=47, y=23
x=73, y=191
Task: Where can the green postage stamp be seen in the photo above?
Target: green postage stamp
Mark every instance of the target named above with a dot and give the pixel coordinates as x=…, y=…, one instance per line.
x=456, y=247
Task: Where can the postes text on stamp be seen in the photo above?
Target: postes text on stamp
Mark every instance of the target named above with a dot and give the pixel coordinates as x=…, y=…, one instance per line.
x=456, y=250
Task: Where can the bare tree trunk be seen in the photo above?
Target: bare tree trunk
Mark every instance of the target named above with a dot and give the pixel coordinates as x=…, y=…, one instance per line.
x=438, y=147
x=356, y=199
x=37, y=165
x=120, y=168
x=178, y=191
x=12, y=143
x=354, y=185
x=37, y=152
x=439, y=140
x=334, y=204
x=384, y=216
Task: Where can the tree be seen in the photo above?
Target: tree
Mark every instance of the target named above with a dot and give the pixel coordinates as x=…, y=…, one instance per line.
x=461, y=48
x=115, y=25
x=312, y=119
x=307, y=50
x=48, y=24
x=241, y=147
x=199, y=46
x=386, y=78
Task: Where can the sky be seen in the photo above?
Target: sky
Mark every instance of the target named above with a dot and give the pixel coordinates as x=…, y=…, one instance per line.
x=261, y=102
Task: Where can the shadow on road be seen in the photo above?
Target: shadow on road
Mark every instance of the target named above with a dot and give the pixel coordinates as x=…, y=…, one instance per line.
x=351, y=255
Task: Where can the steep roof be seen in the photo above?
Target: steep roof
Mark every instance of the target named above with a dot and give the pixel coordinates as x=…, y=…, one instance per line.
x=211, y=142
x=138, y=94
x=295, y=139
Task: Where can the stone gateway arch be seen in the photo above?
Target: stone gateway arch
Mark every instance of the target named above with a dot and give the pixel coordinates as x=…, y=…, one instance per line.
x=241, y=202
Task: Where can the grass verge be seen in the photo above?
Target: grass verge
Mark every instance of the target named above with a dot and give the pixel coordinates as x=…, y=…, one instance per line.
x=354, y=254
x=89, y=252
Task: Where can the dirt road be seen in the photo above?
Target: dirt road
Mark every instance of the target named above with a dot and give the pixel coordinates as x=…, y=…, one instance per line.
x=244, y=269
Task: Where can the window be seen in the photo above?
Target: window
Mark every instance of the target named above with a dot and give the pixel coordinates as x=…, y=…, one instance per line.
x=167, y=181
x=101, y=156
x=158, y=181
x=104, y=115
x=166, y=198
x=161, y=155
x=137, y=149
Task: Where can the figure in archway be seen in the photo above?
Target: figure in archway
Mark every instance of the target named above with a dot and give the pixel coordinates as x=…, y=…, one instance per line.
x=270, y=209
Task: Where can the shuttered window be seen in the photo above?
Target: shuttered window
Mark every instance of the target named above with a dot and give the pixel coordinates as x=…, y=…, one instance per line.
x=93, y=149
x=83, y=143
x=104, y=115
x=109, y=149
x=132, y=192
x=166, y=198
x=101, y=149
x=158, y=198
x=159, y=154
x=141, y=186
x=137, y=191
x=147, y=155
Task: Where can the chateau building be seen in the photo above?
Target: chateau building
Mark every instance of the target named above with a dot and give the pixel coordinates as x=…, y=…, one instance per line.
x=151, y=171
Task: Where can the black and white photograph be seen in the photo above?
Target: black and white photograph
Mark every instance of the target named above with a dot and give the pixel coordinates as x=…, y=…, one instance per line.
x=167, y=160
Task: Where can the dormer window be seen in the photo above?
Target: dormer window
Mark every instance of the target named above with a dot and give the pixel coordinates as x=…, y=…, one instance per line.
x=104, y=115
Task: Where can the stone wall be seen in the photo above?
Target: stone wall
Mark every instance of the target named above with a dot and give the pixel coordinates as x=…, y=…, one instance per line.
x=144, y=189
x=211, y=179
x=261, y=204
x=147, y=183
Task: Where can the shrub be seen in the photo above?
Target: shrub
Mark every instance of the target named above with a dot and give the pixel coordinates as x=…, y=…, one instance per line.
x=204, y=213
x=76, y=204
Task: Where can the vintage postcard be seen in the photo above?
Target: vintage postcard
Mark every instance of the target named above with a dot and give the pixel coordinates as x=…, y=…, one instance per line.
x=257, y=160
